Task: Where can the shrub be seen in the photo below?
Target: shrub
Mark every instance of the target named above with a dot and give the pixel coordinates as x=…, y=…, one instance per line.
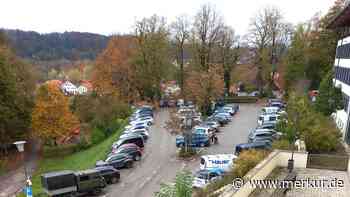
x=97, y=135
x=282, y=144
x=58, y=151
x=189, y=153
x=246, y=161
x=322, y=136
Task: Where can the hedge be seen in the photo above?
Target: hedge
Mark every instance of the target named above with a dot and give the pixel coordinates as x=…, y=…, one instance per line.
x=241, y=99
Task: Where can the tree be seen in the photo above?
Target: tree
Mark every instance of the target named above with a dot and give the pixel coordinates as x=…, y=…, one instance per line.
x=17, y=84
x=303, y=122
x=152, y=56
x=330, y=98
x=227, y=54
x=206, y=29
x=181, y=188
x=51, y=117
x=74, y=75
x=181, y=31
x=114, y=72
x=205, y=86
x=259, y=38
x=297, y=57
x=268, y=35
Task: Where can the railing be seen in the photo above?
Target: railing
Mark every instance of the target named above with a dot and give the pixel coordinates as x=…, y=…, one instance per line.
x=329, y=162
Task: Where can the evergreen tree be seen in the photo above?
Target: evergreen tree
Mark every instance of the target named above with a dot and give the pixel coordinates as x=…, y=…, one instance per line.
x=330, y=97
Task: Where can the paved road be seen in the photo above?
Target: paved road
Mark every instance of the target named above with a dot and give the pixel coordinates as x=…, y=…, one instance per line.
x=159, y=163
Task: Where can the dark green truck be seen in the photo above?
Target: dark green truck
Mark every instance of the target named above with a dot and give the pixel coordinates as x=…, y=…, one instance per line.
x=69, y=183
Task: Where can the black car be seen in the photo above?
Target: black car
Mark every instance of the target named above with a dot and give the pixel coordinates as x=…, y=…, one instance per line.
x=135, y=139
x=118, y=161
x=133, y=151
x=255, y=145
x=110, y=174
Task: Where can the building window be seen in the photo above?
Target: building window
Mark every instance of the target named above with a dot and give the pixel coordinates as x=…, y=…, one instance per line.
x=343, y=51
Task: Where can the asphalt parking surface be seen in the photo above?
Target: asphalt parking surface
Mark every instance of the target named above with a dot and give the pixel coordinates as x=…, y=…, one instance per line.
x=159, y=163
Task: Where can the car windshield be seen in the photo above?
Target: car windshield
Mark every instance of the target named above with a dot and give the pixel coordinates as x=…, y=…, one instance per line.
x=200, y=130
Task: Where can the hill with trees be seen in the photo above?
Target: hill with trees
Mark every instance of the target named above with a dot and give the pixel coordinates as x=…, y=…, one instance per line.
x=56, y=46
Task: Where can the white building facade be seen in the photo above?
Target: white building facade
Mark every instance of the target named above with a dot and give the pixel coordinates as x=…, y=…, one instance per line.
x=341, y=24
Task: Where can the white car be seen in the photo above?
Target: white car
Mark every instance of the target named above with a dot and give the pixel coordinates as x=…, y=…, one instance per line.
x=127, y=133
x=144, y=124
x=147, y=120
x=229, y=109
x=204, y=177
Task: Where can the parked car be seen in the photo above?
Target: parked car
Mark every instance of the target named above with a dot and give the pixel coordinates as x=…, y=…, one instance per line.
x=262, y=134
x=148, y=120
x=229, y=109
x=137, y=127
x=268, y=119
x=213, y=124
x=267, y=126
x=197, y=140
x=71, y=183
x=134, y=152
x=141, y=133
x=110, y=174
x=204, y=130
x=220, y=119
x=277, y=104
x=270, y=110
x=144, y=124
x=256, y=145
x=135, y=139
x=206, y=176
x=118, y=161
x=225, y=116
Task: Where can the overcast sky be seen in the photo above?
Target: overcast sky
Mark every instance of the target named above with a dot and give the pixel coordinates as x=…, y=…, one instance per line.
x=118, y=16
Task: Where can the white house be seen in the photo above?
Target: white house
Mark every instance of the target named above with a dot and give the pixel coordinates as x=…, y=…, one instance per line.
x=82, y=90
x=69, y=88
x=341, y=24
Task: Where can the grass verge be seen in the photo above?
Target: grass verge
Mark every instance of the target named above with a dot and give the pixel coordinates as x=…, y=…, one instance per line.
x=78, y=161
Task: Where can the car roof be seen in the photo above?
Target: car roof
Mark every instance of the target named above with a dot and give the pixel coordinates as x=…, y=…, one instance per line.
x=263, y=130
x=105, y=168
x=57, y=173
x=128, y=145
x=219, y=156
x=253, y=144
x=88, y=171
x=131, y=136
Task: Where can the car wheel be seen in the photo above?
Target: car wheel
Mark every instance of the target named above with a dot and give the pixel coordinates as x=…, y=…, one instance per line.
x=128, y=164
x=114, y=180
x=137, y=157
x=149, y=123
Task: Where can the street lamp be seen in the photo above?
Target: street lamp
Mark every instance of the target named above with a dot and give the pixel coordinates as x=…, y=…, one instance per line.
x=20, y=148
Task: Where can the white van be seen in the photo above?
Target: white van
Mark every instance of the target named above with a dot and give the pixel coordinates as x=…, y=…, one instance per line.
x=270, y=110
x=220, y=161
x=268, y=119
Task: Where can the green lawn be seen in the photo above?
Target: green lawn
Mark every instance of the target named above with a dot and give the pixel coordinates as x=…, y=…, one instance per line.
x=77, y=161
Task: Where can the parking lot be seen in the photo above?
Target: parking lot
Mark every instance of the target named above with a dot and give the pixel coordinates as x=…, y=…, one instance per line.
x=159, y=163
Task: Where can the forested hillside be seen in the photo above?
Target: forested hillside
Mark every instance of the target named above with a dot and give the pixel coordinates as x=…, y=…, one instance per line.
x=55, y=46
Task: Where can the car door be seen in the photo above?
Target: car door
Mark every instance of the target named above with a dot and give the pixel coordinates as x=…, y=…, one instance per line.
x=117, y=161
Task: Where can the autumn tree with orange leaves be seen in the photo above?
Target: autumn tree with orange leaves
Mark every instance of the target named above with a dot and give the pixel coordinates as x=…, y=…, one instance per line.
x=51, y=117
x=114, y=71
x=205, y=86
